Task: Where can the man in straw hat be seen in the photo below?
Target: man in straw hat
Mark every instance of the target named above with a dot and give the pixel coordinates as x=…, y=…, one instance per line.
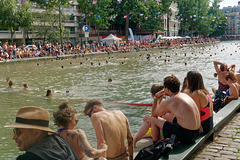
x=31, y=133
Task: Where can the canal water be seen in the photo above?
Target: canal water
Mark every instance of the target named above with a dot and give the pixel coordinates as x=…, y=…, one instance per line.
x=86, y=77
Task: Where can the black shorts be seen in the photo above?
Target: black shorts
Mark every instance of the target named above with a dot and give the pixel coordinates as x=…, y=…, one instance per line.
x=185, y=136
x=207, y=125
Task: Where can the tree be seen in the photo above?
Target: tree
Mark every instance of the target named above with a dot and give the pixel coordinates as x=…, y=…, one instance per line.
x=56, y=5
x=46, y=25
x=97, y=14
x=186, y=14
x=14, y=15
x=152, y=16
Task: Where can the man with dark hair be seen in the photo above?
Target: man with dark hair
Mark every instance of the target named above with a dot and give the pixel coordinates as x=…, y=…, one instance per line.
x=177, y=115
x=111, y=128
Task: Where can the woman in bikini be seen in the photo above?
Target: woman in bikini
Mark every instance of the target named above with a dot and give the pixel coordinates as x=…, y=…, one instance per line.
x=66, y=119
x=220, y=93
x=233, y=91
x=195, y=88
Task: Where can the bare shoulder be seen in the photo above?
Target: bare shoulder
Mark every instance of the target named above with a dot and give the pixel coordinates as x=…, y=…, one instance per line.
x=79, y=131
x=75, y=132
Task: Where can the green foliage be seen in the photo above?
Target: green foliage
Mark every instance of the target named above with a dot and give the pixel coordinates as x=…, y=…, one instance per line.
x=14, y=15
x=53, y=24
x=198, y=15
x=97, y=14
x=153, y=13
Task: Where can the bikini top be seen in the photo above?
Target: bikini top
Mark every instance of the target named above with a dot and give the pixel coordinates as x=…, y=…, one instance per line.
x=227, y=93
x=205, y=114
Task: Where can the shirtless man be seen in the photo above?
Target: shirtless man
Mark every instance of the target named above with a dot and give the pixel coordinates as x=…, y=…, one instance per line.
x=180, y=112
x=111, y=128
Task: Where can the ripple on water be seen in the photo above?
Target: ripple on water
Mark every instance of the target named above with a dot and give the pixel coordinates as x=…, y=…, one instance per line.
x=131, y=83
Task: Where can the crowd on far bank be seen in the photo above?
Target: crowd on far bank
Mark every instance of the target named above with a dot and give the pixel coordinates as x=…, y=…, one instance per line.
x=11, y=51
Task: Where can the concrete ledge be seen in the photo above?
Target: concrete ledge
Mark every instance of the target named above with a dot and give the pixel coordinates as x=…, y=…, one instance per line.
x=184, y=152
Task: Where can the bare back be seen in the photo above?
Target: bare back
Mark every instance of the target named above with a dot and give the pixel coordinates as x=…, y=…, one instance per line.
x=111, y=128
x=184, y=109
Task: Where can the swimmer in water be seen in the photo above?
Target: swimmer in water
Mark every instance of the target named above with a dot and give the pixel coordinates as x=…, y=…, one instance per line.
x=10, y=83
x=25, y=85
x=49, y=93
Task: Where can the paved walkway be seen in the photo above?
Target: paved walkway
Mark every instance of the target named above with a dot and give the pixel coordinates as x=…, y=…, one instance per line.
x=226, y=145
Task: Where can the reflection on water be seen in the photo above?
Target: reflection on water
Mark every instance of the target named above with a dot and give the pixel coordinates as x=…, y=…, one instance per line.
x=132, y=76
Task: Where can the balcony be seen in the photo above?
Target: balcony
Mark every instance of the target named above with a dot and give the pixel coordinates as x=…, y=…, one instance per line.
x=4, y=34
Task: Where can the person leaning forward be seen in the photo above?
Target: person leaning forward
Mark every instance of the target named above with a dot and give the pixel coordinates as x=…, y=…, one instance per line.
x=180, y=112
x=111, y=128
x=33, y=135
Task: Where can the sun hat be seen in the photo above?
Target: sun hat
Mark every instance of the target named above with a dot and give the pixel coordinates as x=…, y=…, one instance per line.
x=31, y=118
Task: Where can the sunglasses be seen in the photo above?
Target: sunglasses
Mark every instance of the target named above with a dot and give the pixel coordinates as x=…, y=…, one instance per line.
x=89, y=112
x=16, y=131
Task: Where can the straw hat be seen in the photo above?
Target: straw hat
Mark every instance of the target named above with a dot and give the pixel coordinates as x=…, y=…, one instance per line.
x=31, y=118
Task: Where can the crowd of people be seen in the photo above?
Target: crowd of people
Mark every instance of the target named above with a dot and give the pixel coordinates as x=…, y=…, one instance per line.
x=189, y=111
x=185, y=113
x=10, y=51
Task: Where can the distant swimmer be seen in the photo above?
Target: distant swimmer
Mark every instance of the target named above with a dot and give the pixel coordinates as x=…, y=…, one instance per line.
x=25, y=85
x=49, y=93
x=10, y=83
x=7, y=79
x=109, y=80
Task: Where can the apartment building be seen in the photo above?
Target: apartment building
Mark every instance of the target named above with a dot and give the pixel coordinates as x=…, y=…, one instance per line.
x=75, y=23
x=233, y=16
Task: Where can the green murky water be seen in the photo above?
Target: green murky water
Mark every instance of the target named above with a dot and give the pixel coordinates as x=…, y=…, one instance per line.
x=132, y=76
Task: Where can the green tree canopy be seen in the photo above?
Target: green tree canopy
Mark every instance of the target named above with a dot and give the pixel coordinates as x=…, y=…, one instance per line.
x=14, y=15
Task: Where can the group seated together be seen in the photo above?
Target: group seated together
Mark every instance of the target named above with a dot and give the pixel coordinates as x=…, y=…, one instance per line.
x=10, y=51
x=185, y=113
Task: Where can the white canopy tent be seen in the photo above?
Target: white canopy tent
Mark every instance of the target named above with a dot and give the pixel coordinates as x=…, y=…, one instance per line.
x=110, y=38
x=173, y=37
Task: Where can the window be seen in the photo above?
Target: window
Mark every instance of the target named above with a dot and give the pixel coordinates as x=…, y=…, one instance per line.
x=72, y=30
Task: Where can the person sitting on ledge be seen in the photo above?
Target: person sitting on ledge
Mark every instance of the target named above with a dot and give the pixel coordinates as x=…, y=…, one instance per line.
x=233, y=91
x=66, y=119
x=195, y=88
x=145, y=129
x=180, y=112
x=33, y=135
x=111, y=128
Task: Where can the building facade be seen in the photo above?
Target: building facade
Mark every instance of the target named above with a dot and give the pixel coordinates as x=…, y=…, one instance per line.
x=75, y=23
x=233, y=16
x=173, y=22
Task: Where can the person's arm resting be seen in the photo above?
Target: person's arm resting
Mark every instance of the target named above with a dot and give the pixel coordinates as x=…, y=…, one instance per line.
x=87, y=148
x=130, y=141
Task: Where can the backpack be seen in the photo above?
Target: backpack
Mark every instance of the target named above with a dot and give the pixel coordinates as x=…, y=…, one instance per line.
x=155, y=151
x=218, y=102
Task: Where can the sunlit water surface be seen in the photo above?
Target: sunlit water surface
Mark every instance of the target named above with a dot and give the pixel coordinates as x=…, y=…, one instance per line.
x=131, y=83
